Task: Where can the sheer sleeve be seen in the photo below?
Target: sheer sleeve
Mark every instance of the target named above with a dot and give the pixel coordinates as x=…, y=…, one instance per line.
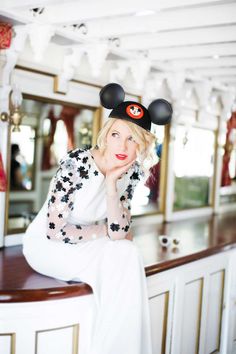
x=119, y=208
x=69, y=178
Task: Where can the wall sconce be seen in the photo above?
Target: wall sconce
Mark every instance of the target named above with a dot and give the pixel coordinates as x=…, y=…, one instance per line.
x=15, y=116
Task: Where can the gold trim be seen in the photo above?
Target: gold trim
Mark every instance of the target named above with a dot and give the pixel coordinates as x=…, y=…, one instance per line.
x=200, y=311
x=45, y=73
x=166, y=310
x=214, y=186
x=97, y=123
x=13, y=341
x=222, y=271
x=75, y=337
x=55, y=86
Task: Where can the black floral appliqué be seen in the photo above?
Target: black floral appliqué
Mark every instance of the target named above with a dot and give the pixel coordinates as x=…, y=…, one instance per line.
x=126, y=228
x=115, y=227
x=135, y=175
x=78, y=186
x=85, y=159
x=51, y=225
x=83, y=173
x=129, y=191
x=65, y=198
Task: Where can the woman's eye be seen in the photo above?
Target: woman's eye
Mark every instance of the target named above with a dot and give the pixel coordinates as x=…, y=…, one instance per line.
x=131, y=139
x=114, y=134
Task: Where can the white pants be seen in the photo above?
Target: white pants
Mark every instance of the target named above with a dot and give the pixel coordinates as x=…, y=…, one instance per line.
x=115, y=271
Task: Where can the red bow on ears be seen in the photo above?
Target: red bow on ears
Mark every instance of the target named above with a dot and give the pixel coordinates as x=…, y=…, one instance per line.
x=3, y=179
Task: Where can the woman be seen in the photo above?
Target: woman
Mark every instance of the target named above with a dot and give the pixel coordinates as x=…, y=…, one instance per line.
x=85, y=224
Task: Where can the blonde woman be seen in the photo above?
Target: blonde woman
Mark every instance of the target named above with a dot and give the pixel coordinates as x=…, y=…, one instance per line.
x=82, y=232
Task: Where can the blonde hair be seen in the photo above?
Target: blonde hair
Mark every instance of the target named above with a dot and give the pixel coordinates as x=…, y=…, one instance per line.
x=146, y=141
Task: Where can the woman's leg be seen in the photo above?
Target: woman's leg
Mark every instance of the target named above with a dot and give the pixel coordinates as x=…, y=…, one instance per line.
x=122, y=320
x=115, y=271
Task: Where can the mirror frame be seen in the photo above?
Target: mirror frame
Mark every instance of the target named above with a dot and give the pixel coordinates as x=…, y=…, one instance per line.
x=97, y=122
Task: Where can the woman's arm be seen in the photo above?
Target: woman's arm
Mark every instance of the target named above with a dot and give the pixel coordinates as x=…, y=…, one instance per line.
x=61, y=203
x=118, y=208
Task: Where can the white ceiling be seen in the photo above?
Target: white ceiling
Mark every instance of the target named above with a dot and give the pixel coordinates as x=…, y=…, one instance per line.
x=194, y=36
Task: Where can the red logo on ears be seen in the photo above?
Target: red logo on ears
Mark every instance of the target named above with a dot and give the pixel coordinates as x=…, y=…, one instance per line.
x=134, y=111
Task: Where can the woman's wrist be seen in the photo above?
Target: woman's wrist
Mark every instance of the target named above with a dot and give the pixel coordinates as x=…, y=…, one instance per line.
x=111, y=189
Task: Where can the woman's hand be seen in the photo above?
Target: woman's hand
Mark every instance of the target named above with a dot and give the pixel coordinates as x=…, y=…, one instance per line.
x=129, y=236
x=114, y=174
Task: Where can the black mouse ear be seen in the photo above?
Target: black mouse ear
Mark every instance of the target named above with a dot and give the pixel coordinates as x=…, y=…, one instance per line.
x=111, y=95
x=160, y=111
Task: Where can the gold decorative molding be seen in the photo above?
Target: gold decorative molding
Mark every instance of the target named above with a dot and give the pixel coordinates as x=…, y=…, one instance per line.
x=166, y=295
x=75, y=337
x=13, y=341
x=200, y=301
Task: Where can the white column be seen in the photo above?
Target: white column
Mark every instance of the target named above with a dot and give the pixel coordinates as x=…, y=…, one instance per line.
x=175, y=83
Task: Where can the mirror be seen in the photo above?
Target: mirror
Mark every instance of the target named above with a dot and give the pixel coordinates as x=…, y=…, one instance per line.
x=47, y=132
x=194, y=151
x=228, y=173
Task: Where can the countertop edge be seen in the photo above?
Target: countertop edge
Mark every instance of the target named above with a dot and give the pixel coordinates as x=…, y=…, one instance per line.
x=81, y=289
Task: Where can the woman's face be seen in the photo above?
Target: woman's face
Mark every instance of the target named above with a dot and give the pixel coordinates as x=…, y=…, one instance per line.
x=121, y=147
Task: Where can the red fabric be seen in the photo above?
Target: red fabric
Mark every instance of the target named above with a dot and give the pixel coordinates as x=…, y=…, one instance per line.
x=5, y=35
x=3, y=178
x=68, y=115
x=46, y=160
x=153, y=182
x=225, y=177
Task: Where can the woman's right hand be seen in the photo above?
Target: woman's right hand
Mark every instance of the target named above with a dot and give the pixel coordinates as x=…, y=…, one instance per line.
x=113, y=175
x=116, y=172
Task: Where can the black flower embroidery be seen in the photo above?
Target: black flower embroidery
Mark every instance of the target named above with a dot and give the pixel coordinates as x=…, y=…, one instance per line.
x=129, y=191
x=135, y=175
x=78, y=227
x=65, y=198
x=83, y=173
x=78, y=186
x=51, y=225
x=115, y=227
x=126, y=228
x=95, y=173
x=66, y=179
x=75, y=153
x=59, y=186
x=85, y=159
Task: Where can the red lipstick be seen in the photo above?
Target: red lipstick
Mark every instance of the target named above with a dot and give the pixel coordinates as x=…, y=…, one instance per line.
x=121, y=156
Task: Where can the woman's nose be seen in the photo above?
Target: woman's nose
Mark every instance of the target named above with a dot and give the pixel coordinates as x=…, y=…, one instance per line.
x=123, y=145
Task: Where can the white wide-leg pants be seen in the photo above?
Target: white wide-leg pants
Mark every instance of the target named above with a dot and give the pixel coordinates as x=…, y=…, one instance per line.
x=115, y=271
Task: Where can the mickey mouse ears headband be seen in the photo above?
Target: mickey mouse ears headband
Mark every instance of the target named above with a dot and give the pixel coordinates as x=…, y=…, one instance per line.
x=159, y=111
